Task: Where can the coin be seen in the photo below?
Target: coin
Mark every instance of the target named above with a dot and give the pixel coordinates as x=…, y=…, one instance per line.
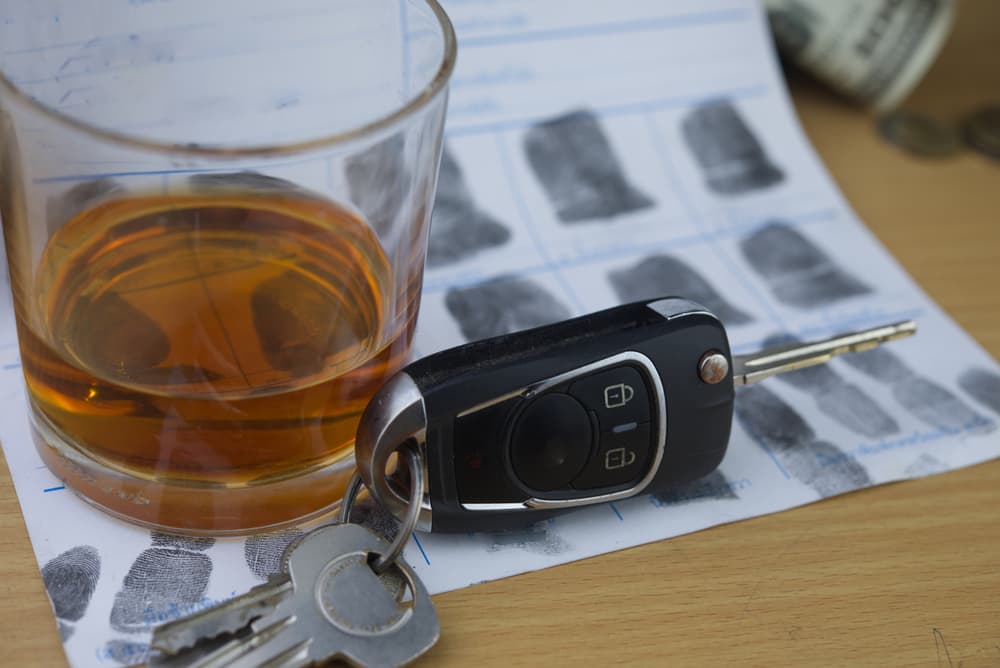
x=919, y=134
x=981, y=131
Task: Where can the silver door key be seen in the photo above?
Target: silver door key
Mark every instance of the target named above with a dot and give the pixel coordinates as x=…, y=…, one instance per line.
x=329, y=604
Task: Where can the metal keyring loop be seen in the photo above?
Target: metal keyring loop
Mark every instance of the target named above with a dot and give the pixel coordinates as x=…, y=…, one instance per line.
x=412, y=510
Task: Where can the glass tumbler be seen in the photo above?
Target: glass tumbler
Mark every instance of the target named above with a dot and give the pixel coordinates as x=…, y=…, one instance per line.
x=215, y=215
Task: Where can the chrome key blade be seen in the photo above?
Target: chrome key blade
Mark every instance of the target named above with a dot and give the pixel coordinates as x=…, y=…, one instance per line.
x=755, y=367
x=221, y=652
x=237, y=649
x=227, y=617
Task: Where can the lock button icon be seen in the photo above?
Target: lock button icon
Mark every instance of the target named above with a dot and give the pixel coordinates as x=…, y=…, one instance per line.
x=617, y=395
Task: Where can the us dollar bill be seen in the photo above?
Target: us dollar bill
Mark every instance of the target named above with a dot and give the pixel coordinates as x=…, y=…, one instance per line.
x=874, y=51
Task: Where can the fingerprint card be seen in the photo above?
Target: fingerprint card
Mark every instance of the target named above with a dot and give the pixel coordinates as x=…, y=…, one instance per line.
x=614, y=153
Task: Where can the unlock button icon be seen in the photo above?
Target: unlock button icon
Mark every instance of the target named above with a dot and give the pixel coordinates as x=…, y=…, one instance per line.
x=618, y=458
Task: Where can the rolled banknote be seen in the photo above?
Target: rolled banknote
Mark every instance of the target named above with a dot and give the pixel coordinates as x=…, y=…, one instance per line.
x=874, y=51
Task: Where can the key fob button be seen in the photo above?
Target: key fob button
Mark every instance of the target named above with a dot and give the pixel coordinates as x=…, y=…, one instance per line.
x=551, y=442
x=621, y=457
x=618, y=396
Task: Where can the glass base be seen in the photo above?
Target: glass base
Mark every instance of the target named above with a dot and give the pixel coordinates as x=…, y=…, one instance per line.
x=192, y=507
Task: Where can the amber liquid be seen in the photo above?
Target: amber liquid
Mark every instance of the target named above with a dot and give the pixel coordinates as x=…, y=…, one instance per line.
x=211, y=354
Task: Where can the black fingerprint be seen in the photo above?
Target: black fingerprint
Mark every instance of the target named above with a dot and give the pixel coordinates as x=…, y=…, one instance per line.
x=779, y=428
x=459, y=229
x=503, y=306
x=798, y=272
x=661, y=275
x=844, y=402
x=374, y=517
x=793, y=27
x=730, y=155
x=537, y=539
x=165, y=581
x=193, y=543
x=379, y=182
x=983, y=386
x=929, y=402
x=299, y=324
x=579, y=171
x=129, y=341
x=925, y=465
x=70, y=579
x=713, y=486
x=263, y=552
x=126, y=652
x=82, y=196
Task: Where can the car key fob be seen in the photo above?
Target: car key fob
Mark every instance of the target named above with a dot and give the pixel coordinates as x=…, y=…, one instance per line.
x=512, y=429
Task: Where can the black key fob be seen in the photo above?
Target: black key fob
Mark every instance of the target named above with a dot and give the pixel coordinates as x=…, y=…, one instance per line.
x=518, y=427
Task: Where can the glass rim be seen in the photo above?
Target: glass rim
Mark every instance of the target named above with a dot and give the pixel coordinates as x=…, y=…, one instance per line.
x=429, y=92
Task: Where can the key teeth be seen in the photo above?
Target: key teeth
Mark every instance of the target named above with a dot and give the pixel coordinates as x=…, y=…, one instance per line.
x=236, y=651
x=226, y=618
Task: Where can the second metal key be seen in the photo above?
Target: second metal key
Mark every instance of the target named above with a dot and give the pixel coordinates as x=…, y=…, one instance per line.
x=634, y=399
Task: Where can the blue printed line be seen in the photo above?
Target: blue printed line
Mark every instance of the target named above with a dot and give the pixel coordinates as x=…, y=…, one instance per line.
x=138, y=172
x=9, y=367
x=615, y=509
x=421, y=548
x=978, y=425
x=168, y=172
x=774, y=458
x=612, y=110
x=711, y=235
x=610, y=28
x=54, y=489
x=404, y=29
x=526, y=219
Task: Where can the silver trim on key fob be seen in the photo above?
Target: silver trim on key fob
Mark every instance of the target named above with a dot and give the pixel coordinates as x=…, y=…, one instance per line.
x=397, y=414
x=531, y=391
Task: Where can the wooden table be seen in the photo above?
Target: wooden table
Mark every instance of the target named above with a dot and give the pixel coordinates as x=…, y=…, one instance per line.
x=902, y=575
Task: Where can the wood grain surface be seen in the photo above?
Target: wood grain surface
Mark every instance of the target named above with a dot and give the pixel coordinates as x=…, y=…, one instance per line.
x=900, y=575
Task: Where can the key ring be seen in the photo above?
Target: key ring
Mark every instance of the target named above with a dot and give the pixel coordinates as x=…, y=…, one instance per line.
x=409, y=523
